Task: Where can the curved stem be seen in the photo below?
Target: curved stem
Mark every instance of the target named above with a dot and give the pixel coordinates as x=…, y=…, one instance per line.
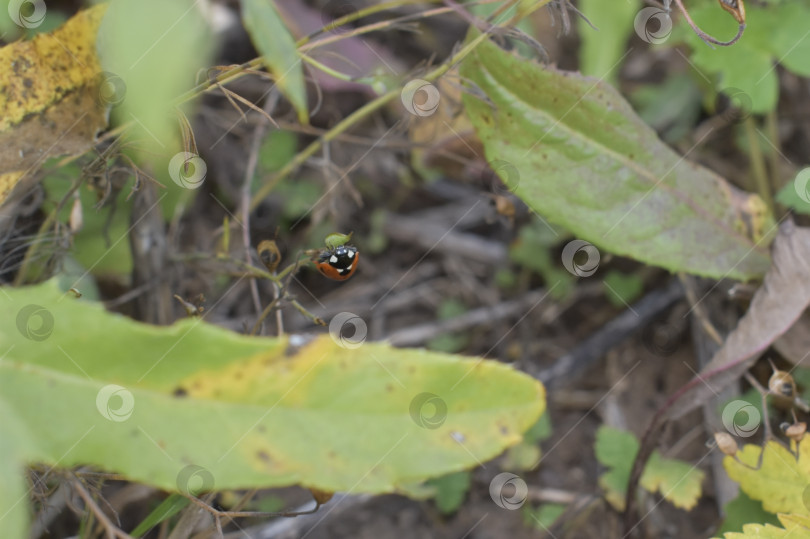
x=703, y=35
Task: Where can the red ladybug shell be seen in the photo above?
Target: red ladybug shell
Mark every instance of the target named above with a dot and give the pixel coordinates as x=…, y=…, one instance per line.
x=339, y=263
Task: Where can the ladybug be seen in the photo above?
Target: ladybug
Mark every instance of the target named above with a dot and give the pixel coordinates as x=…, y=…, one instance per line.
x=338, y=263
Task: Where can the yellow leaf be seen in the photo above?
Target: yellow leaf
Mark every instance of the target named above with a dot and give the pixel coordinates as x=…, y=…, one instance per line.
x=49, y=102
x=796, y=526
x=678, y=481
x=781, y=480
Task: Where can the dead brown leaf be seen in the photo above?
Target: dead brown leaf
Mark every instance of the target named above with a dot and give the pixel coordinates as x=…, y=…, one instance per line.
x=779, y=302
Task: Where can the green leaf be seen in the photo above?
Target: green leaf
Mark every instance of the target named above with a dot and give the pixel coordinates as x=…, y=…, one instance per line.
x=449, y=342
x=539, y=431
x=543, y=517
x=102, y=244
x=153, y=51
x=602, y=50
x=621, y=288
x=677, y=481
x=526, y=455
x=789, y=197
x=533, y=250
x=16, y=445
x=523, y=456
x=195, y=407
x=277, y=149
x=776, y=33
x=671, y=108
x=587, y=162
x=742, y=510
x=167, y=509
x=791, y=43
x=451, y=490
x=616, y=450
x=277, y=47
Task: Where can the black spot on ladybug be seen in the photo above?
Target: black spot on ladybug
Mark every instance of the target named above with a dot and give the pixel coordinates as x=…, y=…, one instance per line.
x=263, y=456
x=179, y=392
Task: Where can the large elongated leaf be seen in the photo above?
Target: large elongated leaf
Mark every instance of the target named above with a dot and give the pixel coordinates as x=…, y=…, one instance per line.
x=152, y=52
x=573, y=149
x=274, y=42
x=195, y=406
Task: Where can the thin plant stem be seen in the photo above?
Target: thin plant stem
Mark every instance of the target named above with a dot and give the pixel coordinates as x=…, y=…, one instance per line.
x=758, y=163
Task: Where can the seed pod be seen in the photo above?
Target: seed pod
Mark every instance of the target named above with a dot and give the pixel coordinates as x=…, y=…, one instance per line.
x=76, y=215
x=321, y=496
x=504, y=206
x=269, y=255
x=736, y=8
x=191, y=309
x=796, y=431
x=725, y=443
x=782, y=383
